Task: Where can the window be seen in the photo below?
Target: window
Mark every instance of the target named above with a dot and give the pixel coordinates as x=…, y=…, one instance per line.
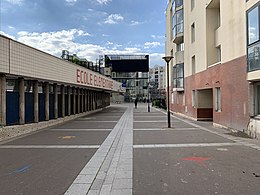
x=253, y=25
x=217, y=99
x=193, y=100
x=193, y=32
x=180, y=47
x=178, y=76
x=253, y=39
x=193, y=65
x=219, y=53
x=177, y=22
x=192, y=4
x=258, y=99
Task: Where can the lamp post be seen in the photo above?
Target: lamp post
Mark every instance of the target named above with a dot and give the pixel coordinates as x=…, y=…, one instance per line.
x=148, y=101
x=167, y=60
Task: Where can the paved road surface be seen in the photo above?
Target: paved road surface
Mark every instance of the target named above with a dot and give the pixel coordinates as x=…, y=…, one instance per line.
x=123, y=150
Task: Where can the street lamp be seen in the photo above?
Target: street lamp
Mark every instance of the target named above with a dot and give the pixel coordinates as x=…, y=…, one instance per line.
x=167, y=60
x=148, y=101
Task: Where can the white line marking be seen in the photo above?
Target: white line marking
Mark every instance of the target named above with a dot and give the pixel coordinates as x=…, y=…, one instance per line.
x=150, y=121
x=150, y=129
x=80, y=130
x=50, y=146
x=184, y=145
x=96, y=121
x=160, y=116
x=165, y=129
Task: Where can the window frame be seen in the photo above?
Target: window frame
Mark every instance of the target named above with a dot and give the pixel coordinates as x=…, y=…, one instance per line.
x=218, y=99
x=255, y=43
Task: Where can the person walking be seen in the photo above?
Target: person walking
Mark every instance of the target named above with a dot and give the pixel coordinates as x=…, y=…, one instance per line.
x=136, y=100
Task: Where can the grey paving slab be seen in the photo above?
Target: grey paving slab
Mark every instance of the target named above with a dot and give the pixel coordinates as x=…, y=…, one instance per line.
x=175, y=137
x=78, y=189
x=40, y=171
x=208, y=170
x=122, y=192
x=116, y=146
x=62, y=138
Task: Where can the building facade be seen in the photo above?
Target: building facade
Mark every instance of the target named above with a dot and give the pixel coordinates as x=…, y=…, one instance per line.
x=209, y=73
x=132, y=72
x=38, y=90
x=157, y=80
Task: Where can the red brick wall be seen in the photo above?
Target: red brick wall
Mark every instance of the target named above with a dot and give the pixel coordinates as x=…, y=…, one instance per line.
x=231, y=78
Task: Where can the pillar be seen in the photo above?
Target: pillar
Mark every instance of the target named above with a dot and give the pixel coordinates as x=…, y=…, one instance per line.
x=91, y=100
x=36, y=101
x=21, y=101
x=82, y=100
x=55, y=91
x=86, y=100
x=74, y=100
x=79, y=105
x=69, y=101
x=2, y=100
x=47, y=100
x=62, y=89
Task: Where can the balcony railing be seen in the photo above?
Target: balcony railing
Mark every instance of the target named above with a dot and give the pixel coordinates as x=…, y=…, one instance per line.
x=253, y=57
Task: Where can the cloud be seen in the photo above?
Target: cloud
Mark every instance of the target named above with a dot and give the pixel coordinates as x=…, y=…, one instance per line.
x=103, y=2
x=54, y=42
x=114, y=19
x=71, y=2
x=9, y=36
x=156, y=59
x=15, y=2
x=158, y=36
x=134, y=23
x=148, y=45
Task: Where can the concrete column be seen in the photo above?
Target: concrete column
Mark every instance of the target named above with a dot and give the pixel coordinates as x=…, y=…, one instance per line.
x=94, y=100
x=86, y=99
x=21, y=101
x=36, y=101
x=82, y=100
x=91, y=100
x=62, y=89
x=74, y=100
x=2, y=100
x=47, y=100
x=69, y=100
x=55, y=91
x=79, y=104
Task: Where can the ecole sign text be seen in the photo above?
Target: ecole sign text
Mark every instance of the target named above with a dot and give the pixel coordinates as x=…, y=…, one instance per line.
x=91, y=79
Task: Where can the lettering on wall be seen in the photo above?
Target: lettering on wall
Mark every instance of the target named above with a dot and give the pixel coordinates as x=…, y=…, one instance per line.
x=91, y=79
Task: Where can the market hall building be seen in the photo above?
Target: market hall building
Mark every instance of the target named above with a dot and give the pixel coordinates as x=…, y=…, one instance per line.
x=38, y=90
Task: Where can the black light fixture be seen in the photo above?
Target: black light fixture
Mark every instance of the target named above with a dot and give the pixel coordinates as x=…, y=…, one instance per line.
x=167, y=60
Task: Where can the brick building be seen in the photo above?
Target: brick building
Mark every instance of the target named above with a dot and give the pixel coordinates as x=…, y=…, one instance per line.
x=209, y=73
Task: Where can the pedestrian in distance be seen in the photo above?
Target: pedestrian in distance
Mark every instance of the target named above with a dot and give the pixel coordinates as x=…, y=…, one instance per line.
x=136, y=100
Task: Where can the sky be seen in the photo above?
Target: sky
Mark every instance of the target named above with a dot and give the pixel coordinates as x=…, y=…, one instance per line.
x=88, y=28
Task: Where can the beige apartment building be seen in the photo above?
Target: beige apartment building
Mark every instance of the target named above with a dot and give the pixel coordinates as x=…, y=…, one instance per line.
x=215, y=70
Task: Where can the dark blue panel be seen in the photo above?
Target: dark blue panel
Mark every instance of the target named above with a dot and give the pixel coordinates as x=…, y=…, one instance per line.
x=59, y=105
x=51, y=106
x=12, y=108
x=41, y=107
x=29, y=108
x=66, y=104
x=77, y=102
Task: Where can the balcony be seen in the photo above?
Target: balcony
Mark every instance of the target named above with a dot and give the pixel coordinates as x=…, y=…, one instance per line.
x=178, y=26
